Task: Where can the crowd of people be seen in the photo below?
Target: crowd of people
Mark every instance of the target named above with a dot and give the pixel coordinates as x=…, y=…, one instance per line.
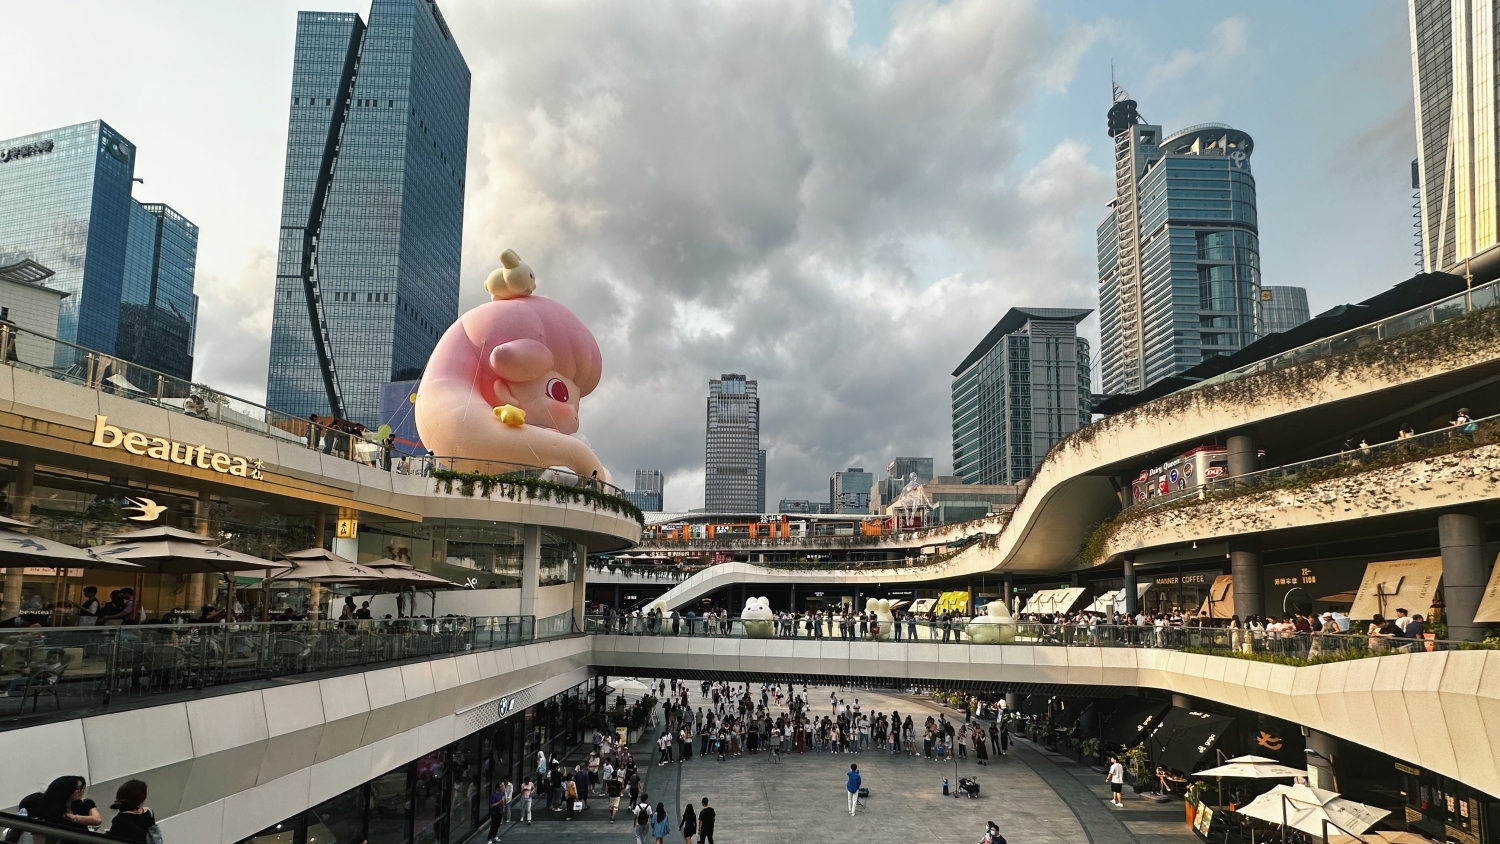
x=833, y=623
x=63, y=804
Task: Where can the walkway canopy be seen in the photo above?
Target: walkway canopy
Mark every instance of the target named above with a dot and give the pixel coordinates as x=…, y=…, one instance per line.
x=1184, y=736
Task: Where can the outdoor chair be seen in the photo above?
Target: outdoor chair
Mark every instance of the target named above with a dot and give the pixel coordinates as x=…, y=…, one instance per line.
x=40, y=683
x=165, y=665
x=288, y=654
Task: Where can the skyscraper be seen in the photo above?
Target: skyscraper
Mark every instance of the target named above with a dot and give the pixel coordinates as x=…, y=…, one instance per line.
x=1023, y=388
x=158, y=310
x=849, y=490
x=1179, y=251
x=65, y=203
x=371, y=209
x=648, y=490
x=1454, y=80
x=1282, y=308
x=733, y=459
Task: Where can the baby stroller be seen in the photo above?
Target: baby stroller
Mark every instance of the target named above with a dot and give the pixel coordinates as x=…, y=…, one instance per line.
x=969, y=786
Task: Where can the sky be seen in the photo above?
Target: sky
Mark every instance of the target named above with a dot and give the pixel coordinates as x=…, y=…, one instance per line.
x=838, y=199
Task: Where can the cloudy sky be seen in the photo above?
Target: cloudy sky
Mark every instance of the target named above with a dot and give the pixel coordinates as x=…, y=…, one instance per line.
x=837, y=198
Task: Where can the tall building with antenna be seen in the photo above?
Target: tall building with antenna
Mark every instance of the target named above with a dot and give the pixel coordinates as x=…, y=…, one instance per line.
x=1179, y=251
x=372, y=207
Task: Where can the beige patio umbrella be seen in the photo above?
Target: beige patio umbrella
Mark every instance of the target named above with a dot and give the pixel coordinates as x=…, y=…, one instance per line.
x=401, y=575
x=23, y=549
x=319, y=567
x=168, y=550
x=1304, y=808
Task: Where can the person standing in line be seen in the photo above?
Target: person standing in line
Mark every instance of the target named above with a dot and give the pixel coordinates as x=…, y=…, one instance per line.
x=981, y=750
x=527, y=790
x=689, y=824
x=1116, y=779
x=995, y=735
x=706, y=817
x=851, y=785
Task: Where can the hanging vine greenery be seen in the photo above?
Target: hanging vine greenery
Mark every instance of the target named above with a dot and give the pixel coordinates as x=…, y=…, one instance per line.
x=515, y=488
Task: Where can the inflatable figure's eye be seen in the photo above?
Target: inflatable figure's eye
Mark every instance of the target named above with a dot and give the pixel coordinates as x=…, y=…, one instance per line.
x=557, y=390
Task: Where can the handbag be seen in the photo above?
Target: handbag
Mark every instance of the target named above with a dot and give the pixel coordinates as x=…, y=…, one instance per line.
x=153, y=835
x=578, y=805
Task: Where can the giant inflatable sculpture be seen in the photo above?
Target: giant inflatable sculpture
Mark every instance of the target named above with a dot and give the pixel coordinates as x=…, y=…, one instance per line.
x=505, y=380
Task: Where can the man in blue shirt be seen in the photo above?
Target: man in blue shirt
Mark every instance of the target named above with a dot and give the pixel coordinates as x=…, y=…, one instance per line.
x=853, y=787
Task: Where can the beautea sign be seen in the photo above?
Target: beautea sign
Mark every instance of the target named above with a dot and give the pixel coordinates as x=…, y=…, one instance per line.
x=160, y=448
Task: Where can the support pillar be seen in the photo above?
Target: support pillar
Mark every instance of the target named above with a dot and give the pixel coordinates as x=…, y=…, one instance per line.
x=1008, y=586
x=793, y=607
x=196, y=589
x=1241, y=455
x=617, y=598
x=1461, y=535
x=531, y=567
x=1327, y=748
x=580, y=583
x=1132, y=592
x=10, y=607
x=1249, y=592
x=1010, y=702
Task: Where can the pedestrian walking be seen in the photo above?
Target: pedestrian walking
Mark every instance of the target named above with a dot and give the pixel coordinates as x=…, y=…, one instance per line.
x=851, y=785
x=1116, y=780
x=527, y=791
x=661, y=825
x=706, y=817
x=642, y=816
x=688, y=825
x=613, y=788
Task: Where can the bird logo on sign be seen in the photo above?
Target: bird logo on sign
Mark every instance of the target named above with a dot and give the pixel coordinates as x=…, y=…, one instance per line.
x=149, y=510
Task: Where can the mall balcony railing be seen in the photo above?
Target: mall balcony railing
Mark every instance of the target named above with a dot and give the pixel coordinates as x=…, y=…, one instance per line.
x=1478, y=298
x=1283, y=648
x=61, y=673
x=1450, y=440
x=94, y=370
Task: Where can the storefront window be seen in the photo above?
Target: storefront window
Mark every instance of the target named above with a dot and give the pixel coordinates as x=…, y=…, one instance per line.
x=338, y=821
x=430, y=798
x=557, y=560
x=389, y=807
x=282, y=833
x=463, y=803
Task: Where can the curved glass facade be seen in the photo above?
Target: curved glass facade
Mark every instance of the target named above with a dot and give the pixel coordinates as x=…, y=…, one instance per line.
x=461, y=550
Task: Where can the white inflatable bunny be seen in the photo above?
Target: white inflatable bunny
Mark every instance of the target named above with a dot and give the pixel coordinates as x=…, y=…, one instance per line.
x=881, y=609
x=757, y=618
x=994, y=627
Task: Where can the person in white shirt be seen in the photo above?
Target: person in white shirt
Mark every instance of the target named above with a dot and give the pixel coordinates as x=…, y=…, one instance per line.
x=1116, y=780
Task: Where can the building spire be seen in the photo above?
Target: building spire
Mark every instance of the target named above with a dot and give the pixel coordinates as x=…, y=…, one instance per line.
x=1119, y=93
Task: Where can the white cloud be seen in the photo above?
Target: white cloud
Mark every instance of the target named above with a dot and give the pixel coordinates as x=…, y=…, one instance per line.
x=234, y=326
x=1227, y=40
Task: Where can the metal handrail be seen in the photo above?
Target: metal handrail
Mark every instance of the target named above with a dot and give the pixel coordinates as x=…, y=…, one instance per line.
x=1391, y=452
x=42, y=831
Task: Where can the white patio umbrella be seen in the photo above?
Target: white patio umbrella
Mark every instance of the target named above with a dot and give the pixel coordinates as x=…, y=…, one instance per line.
x=1380, y=836
x=1252, y=767
x=1304, y=808
x=168, y=550
x=25, y=549
x=320, y=567
x=402, y=575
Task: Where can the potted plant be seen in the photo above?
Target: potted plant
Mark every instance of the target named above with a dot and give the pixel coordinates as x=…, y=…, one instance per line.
x=1192, y=798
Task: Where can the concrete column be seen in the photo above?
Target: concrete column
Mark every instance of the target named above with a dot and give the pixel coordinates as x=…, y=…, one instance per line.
x=1461, y=535
x=1006, y=588
x=1327, y=747
x=21, y=509
x=617, y=597
x=793, y=607
x=196, y=588
x=531, y=567
x=1010, y=702
x=1249, y=592
x=1132, y=592
x=580, y=583
x=1241, y=454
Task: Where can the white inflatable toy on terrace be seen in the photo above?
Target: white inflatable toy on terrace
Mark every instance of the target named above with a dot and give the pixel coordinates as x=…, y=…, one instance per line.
x=757, y=618
x=881, y=609
x=994, y=627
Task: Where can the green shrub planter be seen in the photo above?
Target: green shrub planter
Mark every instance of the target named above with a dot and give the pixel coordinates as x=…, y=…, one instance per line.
x=514, y=488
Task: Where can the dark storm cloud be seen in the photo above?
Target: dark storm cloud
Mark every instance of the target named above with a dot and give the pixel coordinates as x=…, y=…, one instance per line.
x=719, y=188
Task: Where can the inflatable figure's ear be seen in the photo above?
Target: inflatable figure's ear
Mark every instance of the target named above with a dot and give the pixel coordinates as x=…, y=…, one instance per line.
x=521, y=360
x=509, y=259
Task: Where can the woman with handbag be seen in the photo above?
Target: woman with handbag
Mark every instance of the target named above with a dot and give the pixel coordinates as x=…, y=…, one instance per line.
x=135, y=822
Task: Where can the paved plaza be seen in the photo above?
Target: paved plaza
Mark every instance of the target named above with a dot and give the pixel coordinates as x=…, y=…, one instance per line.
x=1036, y=797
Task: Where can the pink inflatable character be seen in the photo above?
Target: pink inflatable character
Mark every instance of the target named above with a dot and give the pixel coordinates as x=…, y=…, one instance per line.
x=504, y=382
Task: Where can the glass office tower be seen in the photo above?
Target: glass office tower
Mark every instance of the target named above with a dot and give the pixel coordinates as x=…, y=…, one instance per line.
x=1023, y=388
x=127, y=267
x=372, y=207
x=158, y=310
x=1282, y=308
x=65, y=203
x=1179, y=252
x=732, y=455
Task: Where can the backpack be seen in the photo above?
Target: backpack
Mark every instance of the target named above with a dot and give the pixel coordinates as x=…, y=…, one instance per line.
x=642, y=815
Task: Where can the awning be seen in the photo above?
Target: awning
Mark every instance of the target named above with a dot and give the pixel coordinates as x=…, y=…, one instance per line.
x=1401, y=583
x=1219, y=602
x=1039, y=602
x=1183, y=736
x=1066, y=599
x=1125, y=724
x=923, y=605
x=1114, y=600
x=1489, y=605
